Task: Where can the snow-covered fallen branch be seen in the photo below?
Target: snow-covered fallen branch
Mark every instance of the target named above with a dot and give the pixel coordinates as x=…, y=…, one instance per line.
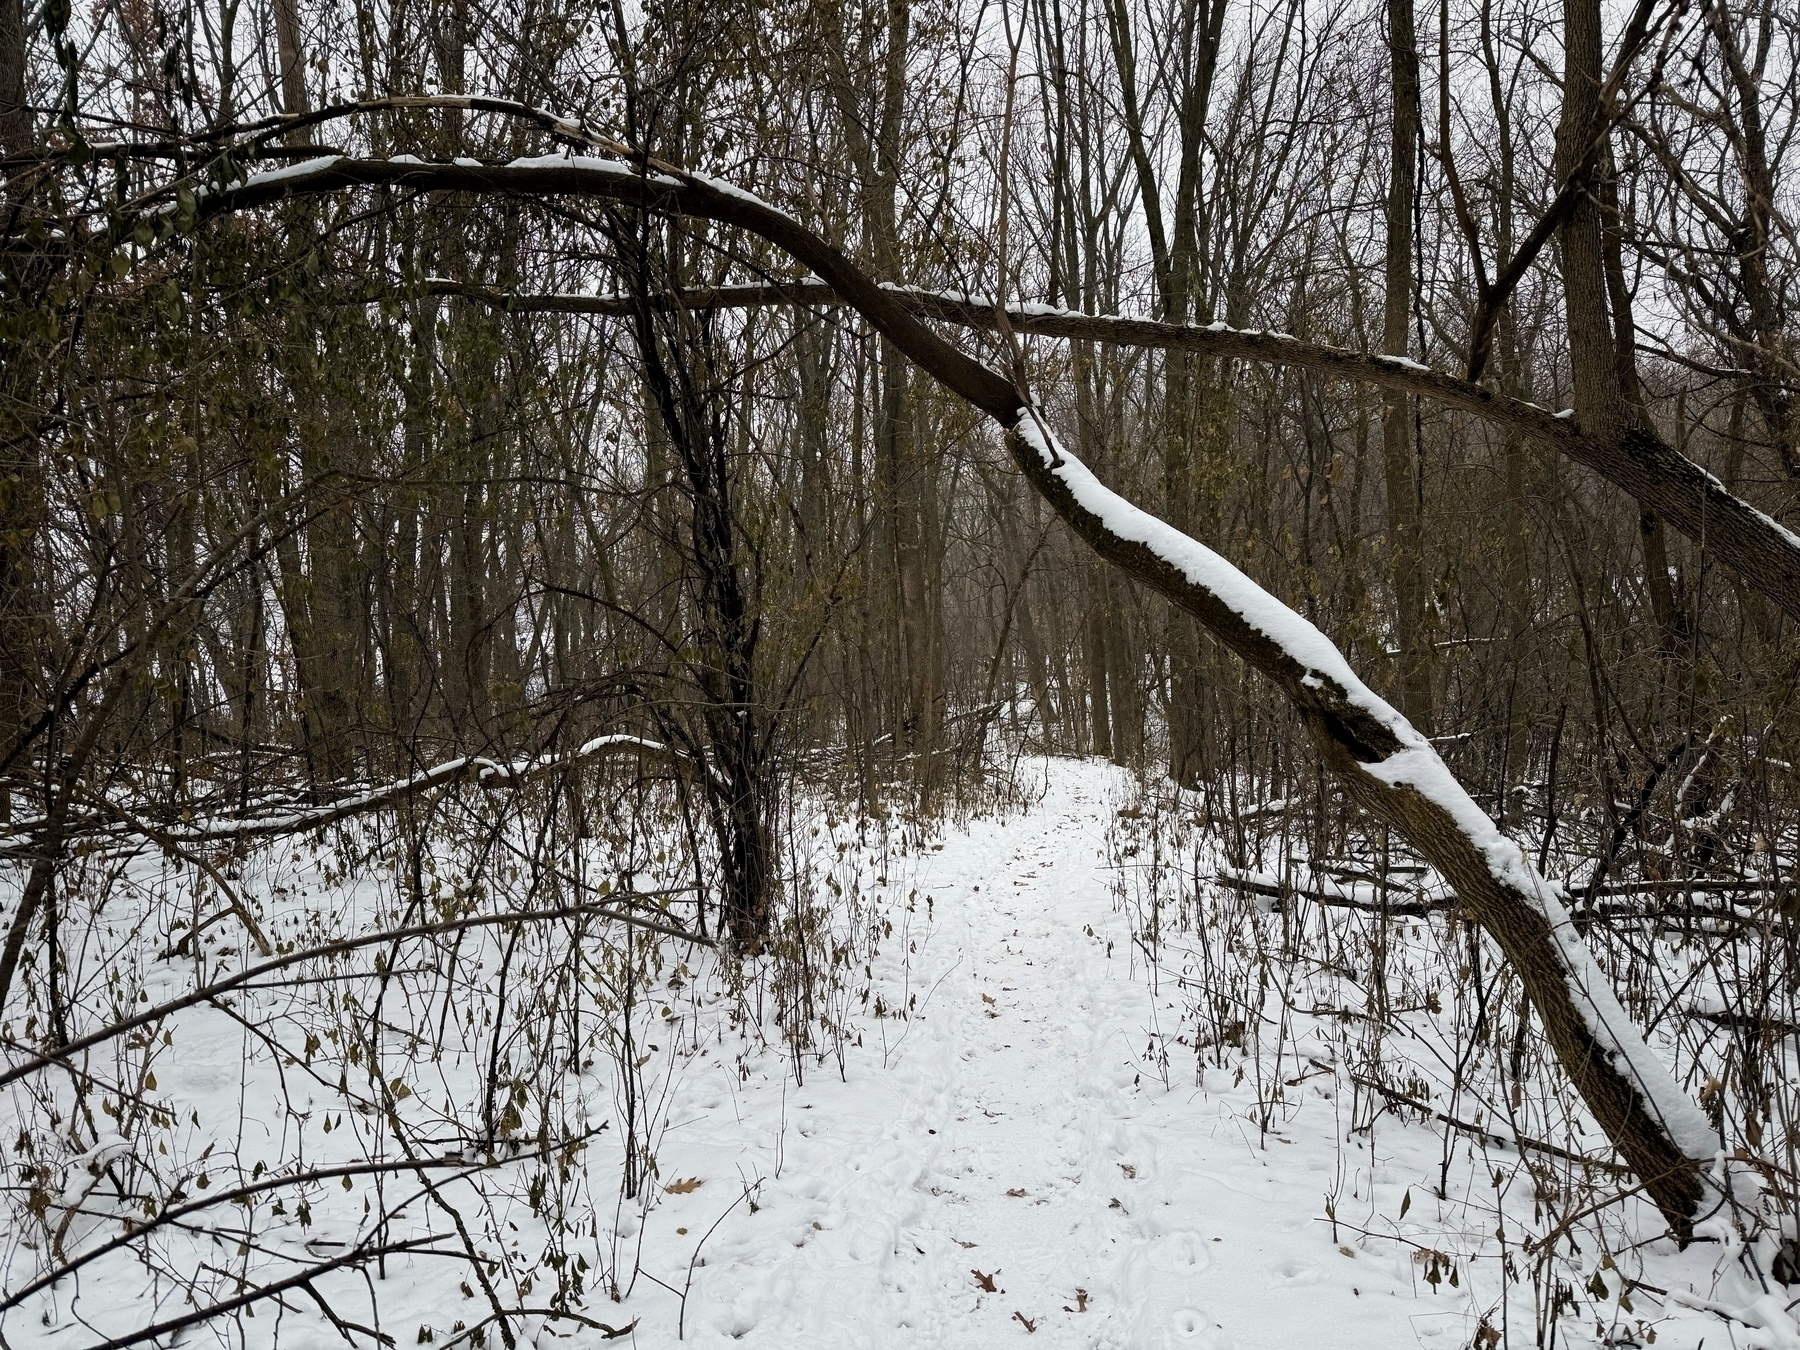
x=1335, y=898
x=487, y=773
x=1395, y=773
x=477, y=769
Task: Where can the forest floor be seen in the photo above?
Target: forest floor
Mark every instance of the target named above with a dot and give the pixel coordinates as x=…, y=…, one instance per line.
x=1009, y=1162
x=1020, y=1144
x=1013, y=1133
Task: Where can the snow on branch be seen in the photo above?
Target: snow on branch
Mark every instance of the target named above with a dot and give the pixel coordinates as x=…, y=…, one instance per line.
x=487, y=773
x=1400, y=773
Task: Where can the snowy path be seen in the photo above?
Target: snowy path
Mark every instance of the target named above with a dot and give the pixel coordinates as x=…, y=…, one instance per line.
x=1013, y=1136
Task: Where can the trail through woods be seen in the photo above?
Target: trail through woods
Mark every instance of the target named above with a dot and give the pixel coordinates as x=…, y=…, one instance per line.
x=1019, y=1132
x=1019, y=1145
x=1017, y=1129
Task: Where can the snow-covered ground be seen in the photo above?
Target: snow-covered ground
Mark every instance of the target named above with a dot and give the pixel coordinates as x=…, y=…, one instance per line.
x=1011, y=1133
x=1021, y=1130
x=1018, y=1146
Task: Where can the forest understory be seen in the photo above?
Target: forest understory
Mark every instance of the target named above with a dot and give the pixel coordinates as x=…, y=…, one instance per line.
x=888, y=672
x=1085, y=1058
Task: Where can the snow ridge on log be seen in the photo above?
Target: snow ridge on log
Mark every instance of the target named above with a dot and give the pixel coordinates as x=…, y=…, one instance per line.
x=1404, y=760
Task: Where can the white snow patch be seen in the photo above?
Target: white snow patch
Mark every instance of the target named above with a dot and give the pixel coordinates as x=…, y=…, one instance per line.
x=1404, y=362
x=303, y=169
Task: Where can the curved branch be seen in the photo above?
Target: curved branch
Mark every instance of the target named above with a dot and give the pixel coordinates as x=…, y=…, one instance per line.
x=1759, y=549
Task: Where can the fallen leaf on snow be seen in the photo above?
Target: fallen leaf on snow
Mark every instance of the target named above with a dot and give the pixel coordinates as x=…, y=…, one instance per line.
x=1028, y=1324
x=1016, y=1192
x=986, y=1282
x=684, y=1187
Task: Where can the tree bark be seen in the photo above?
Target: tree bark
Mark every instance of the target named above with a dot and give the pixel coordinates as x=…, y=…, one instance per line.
x=910, y=624
x=19, y=414
x=15, y=113
x=1192, y=424
x=1602, y=360
x=290, y=55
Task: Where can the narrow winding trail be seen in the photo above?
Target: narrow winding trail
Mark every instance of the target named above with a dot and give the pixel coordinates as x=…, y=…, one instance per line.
x=1008, y=1134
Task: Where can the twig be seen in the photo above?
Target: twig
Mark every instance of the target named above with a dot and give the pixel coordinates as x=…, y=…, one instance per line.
x=300, y=1281
x=134, y=1231
x=250, y=974
x=688, y=1284
x=1513, y=1141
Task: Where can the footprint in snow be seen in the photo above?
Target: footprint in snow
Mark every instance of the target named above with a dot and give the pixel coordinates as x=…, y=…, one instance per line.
x=1194, y=1328
x=1157, y=1281
x=1294, y=1273
x=1180, y=1253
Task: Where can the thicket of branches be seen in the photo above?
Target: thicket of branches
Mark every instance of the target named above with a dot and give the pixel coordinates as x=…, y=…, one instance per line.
x=308, y=510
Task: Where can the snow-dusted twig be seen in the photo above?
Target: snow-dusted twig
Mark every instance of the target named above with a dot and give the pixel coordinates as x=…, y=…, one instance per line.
x=250, y=975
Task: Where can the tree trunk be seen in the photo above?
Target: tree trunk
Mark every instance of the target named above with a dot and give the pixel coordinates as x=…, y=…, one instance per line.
x=1406, y=541
x=290, y=54
x=1192, y=426
x=19, y=404
x=15, y=114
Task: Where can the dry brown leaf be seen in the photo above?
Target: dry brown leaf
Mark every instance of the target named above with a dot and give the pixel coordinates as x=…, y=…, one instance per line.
x=684, y=1187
